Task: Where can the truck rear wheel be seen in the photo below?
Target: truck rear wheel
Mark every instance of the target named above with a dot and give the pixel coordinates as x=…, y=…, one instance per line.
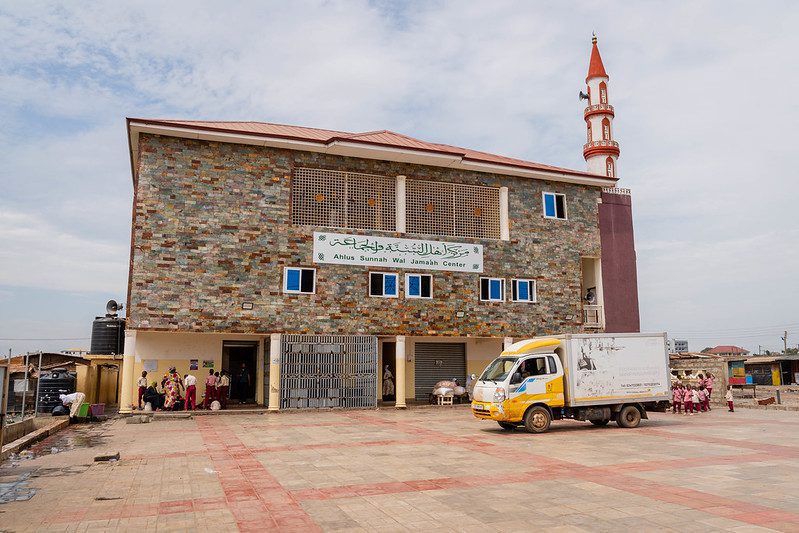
x=537, y=419
x=507, y=426
x=628, y=417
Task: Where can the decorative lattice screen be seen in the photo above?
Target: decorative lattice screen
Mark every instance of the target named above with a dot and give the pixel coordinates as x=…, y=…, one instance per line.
x=343, y=200
x=452, y=209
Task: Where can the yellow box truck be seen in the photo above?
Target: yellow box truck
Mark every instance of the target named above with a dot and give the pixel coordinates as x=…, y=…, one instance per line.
x=590, y=377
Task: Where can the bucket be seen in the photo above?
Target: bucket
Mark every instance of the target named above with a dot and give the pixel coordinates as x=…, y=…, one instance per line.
x=83, y=410
x=98, y=409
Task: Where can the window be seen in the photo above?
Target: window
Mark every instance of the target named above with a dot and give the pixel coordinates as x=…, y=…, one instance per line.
x=609, y=163
x=299, y=280
x=603, y=93
x=605, y=129
x=554, y=205
x=523, y=290
x=383, y=284
x=552, y=366
x=343, y=199
x=590, y=137
x=532, y=367
x=418, y=286
x=453, y=209
x=492, y=289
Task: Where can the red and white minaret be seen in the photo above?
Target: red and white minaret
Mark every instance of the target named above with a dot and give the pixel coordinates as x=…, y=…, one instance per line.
x=600, y=151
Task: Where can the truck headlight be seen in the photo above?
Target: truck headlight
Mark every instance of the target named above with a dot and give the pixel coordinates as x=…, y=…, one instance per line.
x=499, y=395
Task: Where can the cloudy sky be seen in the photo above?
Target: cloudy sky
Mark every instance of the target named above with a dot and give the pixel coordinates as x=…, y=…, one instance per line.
x=705, y=96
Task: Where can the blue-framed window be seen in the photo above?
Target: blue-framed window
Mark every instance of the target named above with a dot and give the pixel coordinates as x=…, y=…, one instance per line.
x=299, y=280
x=383, y=284
x=419, y=286
x=523, y=290
x=492, y=289
x=554, y=205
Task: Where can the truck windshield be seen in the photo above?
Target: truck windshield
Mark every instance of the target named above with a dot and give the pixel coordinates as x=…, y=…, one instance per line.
x=499, y=368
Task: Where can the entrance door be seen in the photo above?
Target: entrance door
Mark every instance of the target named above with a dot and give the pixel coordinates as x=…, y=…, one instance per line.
x=240, y=359
x=437, y=361
x=390, y=361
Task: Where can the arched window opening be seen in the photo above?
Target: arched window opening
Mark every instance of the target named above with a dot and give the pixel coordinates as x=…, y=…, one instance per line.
x=603, y=93
x=588, y=123
x=605, y=129
x=609, y=164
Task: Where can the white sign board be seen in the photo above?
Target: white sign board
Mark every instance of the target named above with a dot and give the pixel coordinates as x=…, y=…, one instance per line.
x=618, y=367
x=342, y=249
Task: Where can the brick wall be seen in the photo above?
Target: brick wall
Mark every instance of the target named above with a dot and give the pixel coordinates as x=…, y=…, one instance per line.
x=212, y=230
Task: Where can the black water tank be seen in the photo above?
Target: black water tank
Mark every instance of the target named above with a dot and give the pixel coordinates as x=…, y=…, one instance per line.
x=108, y=335
x=52, y=384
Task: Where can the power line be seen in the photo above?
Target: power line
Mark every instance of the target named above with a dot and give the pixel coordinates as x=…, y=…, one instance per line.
x=753, y=329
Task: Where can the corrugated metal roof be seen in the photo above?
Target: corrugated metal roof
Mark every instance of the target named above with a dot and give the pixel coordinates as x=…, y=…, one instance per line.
x=378, y=138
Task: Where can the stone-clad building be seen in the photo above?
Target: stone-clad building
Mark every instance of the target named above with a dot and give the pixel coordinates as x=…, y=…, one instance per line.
x=323, y=260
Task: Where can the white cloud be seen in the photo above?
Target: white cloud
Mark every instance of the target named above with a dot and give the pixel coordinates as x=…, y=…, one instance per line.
x=703, y=95
x=36, y=253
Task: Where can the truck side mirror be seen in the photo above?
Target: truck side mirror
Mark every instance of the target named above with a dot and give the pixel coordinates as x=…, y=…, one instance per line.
x=515, y=378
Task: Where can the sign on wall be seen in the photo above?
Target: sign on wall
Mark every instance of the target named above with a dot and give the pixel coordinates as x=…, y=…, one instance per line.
x=343, y=249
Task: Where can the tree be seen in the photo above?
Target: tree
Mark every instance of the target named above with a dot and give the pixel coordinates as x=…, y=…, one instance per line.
x=706, y=350
x=792, y=351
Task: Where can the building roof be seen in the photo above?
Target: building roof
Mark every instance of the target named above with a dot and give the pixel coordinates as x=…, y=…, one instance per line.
x=381, y=144
x=728, y=349
x=595, y=67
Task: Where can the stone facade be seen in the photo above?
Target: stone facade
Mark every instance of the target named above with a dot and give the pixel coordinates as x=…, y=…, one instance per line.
x=212, y=229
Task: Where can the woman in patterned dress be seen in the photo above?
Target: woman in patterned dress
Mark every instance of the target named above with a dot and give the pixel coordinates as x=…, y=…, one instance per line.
x=171, y=384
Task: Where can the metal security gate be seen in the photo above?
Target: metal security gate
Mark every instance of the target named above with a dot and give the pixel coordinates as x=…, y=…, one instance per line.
x=328, y=371
x=436, y=361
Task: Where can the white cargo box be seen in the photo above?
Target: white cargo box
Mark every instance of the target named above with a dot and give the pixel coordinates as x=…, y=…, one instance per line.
x=615, y=367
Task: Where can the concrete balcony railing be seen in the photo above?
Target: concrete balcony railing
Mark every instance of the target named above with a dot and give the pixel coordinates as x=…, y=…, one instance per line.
x=599, y=108
x=592, y=316
x=616, y=190
x=601, y=144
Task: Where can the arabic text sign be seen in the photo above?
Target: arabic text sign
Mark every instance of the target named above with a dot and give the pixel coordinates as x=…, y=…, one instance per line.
x=341, y=249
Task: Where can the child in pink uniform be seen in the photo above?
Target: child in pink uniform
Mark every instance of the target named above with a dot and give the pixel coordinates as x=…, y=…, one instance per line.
x=709, y=387
x=676, y=398
x=702, y=396
x=688, y=400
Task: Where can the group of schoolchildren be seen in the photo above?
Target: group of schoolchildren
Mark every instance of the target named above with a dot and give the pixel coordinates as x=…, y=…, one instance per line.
x=172, y=399
x=696, y=398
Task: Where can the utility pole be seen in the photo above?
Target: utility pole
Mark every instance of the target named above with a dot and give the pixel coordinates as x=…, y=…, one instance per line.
x=759, y=349
x=785, y=342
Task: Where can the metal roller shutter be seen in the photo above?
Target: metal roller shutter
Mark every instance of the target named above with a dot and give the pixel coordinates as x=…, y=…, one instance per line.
x=436, y=361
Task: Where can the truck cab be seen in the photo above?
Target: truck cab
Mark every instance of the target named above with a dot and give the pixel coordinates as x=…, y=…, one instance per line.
x=522, y=377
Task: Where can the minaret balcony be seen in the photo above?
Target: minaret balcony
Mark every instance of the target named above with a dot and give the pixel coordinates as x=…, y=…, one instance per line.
x=599, y=109
x=601, y=147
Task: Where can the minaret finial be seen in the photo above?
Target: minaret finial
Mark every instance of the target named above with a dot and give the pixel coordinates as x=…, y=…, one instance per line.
x=593, y=37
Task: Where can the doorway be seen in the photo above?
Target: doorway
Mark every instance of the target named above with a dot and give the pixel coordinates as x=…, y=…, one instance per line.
x=240, y=359
x=388, y=392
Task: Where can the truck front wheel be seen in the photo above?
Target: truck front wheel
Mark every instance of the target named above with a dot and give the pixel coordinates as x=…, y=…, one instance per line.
x=628, y=417
x=507, y=426
x=537, y=419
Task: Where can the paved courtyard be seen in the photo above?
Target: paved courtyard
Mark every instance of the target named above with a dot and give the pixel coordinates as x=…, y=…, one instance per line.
x=427, y=469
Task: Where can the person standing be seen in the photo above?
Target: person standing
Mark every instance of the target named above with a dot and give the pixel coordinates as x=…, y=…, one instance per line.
x=74, y=401
x=142, y=383
x=688, y=400
x=676, y=397
x=728, y=397
x=224, y=389
x=171, y=385
x=191, y=392
x=709, y=387
x=210, y=388
x=243, y=383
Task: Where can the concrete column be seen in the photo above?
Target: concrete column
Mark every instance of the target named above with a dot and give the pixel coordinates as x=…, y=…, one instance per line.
x=506, y=342
x=400, y=204
x=504, y=214
x=274, y=372
x=399, y=390
x=127, y=382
